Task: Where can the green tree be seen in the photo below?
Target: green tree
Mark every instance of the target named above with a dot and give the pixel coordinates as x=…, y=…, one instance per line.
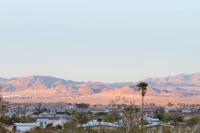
x=81, y=117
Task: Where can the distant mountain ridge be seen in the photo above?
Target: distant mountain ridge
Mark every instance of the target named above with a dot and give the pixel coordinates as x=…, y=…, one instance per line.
x=184, y=79
x=46, y=88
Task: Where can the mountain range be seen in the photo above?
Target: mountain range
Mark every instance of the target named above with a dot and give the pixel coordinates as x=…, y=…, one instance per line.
x=182, y=88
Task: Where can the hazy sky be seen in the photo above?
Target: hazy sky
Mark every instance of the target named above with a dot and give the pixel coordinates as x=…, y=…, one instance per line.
x=99, y=40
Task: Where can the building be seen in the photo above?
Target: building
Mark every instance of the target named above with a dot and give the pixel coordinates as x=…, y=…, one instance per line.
x=24, y=127
x=95, y=123
x=42, y=123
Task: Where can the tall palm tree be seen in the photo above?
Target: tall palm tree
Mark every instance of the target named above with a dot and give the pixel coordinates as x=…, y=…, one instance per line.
x=142, y=86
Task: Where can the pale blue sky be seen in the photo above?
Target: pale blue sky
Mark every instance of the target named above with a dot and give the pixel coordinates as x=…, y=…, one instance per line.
x=104, y=40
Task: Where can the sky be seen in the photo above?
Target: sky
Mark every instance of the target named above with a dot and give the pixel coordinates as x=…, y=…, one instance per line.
x=99, y=40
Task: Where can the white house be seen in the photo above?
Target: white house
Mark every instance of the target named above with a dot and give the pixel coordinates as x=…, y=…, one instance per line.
x=42, y=123
x=186, y=111
x=95, y=123
x=59, y=122
x=152, y=122
x=24, y=127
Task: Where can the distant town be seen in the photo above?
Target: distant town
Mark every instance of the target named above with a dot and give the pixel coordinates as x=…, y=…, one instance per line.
x=120, y=116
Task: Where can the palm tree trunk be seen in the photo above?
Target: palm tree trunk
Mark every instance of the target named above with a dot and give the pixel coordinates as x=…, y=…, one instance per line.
x=142, y=115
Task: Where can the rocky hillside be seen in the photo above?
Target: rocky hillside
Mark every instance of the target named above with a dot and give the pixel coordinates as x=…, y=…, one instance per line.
x=50, y=89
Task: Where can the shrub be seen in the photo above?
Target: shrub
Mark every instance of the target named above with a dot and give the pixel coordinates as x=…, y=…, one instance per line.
x=193, y=121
